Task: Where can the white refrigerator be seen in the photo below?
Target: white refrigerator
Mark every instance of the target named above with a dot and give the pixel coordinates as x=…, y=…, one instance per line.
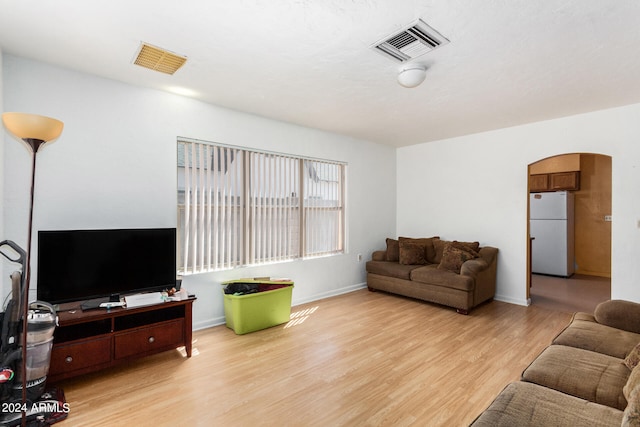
x=551, y=227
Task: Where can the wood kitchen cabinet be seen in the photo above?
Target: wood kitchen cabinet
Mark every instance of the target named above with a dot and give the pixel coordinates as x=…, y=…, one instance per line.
x=564, y=181
x=538, y=183
x=558, y=181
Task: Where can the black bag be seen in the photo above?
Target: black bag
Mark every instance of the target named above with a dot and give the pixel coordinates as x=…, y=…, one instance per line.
x=240, y=288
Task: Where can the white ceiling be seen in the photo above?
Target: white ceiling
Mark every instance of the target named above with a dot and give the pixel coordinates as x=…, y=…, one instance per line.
x=309, y=62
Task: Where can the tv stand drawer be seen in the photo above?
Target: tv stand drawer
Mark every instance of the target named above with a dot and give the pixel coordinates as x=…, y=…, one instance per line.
x=89, y=353
x=149, y=340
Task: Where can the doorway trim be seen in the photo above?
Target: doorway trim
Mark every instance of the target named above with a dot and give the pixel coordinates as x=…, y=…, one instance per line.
x=557, y=166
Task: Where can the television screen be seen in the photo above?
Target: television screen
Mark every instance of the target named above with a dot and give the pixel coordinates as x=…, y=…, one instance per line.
x=75, y=265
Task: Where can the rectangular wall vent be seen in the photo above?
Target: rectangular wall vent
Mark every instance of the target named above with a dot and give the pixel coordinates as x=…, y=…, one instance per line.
x=409, y=43
x=159, y=59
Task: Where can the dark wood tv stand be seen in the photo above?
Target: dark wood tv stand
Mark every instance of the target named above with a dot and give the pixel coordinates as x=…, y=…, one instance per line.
x=87, y=341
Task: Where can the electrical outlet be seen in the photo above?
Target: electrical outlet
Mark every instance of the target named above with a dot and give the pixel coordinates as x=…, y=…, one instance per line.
x=359, y=257
x=607, y=218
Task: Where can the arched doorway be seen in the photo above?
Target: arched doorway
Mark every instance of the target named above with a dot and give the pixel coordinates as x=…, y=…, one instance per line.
x=588, y=177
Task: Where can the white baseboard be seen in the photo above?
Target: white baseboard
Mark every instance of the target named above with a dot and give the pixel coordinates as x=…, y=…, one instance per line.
x=517, y=301
x=209, y=323
x=329, y=294
x=217, y=321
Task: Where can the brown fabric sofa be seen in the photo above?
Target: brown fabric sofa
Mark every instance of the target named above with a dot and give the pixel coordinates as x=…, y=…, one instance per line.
x=588, y=376
x=456, y=274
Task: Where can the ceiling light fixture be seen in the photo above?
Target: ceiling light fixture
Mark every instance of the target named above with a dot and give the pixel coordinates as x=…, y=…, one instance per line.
x=411, y=75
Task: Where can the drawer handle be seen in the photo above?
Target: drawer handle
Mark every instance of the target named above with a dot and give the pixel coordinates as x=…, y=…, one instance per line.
x=151, y=340
x=68, y=359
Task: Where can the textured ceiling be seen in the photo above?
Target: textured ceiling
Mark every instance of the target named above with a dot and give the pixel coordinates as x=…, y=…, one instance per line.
x=309, y=62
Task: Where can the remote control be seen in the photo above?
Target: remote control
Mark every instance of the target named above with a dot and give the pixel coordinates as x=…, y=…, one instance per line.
x=112, y=304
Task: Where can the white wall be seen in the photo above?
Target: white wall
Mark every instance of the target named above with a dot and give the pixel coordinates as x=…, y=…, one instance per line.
x=115, y=166
x=475, y=188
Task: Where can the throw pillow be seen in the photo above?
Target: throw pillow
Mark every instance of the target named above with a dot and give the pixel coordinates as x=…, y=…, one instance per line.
x=439, y=246
x=393, y=250
x=453, y=257
x=632, y=383
x=631, y=415
x=412, y=254
x=467, y=246
x=427, y=242
x=633, y=357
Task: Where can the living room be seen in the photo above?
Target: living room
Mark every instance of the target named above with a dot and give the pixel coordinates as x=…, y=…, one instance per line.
x=115, y=166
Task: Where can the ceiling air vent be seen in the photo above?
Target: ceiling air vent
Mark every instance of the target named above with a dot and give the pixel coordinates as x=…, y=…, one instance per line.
x=159, y=59
x=411, y=42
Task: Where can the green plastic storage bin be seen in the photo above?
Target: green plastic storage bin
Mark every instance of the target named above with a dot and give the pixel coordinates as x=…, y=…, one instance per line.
x=261, y=310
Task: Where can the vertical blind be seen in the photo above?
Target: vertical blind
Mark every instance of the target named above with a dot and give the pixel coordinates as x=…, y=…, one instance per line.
x=241, y=207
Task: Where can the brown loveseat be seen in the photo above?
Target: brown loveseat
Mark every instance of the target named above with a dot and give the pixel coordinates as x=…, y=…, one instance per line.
x=456, y=274
x=588, y=376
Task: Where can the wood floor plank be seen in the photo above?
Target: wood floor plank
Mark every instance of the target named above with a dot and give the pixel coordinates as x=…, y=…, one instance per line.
x=363, y=358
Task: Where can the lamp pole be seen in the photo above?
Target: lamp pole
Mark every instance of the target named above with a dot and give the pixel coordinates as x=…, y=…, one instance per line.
x=34, y=130
x=35, y=145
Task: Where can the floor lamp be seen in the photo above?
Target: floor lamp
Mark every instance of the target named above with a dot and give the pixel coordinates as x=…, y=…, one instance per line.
x=35, y=131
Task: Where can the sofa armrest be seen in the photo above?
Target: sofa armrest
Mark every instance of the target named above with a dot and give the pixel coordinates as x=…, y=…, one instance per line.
x=619, y=314
x=489, y=254
x=483, y=270
x=473, y=266
x=379, y=256
x=487, y=258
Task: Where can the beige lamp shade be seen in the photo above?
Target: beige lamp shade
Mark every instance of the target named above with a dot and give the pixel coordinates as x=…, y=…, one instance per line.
x=32, y=126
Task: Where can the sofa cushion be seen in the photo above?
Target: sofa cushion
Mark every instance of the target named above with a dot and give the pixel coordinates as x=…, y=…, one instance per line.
x=453, y=257
x=619, y=314
x=438, y=246
x=581, y=373
x=391, y=269
x=432, y=275
x=584, y=332
x=427, y=243
x=412, y=254
x=525, y=404
x=393, y=250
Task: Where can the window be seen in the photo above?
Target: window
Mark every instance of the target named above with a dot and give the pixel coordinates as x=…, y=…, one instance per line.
x=240, y=207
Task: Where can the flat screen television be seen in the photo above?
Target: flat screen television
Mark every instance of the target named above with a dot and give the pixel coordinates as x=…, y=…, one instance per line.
x=77, y=265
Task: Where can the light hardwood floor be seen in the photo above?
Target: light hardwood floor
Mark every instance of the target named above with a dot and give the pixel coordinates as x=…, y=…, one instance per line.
x=359, y=359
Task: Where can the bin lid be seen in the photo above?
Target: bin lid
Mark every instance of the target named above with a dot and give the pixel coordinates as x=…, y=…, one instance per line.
x=259, y=280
